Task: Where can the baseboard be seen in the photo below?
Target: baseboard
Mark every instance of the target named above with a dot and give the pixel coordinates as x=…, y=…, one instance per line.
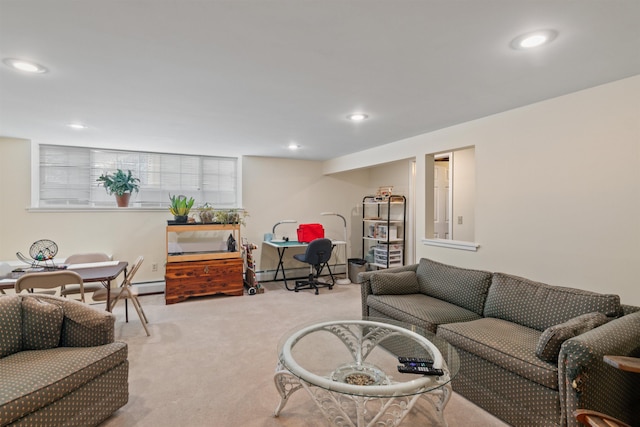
x=296, y=273
x=146, y=288
x=158, y=287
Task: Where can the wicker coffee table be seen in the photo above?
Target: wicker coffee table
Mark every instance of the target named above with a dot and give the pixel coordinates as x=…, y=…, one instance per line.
x=349, y=368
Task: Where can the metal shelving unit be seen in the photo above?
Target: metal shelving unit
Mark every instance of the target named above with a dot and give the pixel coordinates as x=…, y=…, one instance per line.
x=383, y=230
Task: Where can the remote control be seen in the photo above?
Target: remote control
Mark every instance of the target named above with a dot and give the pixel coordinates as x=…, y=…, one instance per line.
x=415, y=361
x=424, y=370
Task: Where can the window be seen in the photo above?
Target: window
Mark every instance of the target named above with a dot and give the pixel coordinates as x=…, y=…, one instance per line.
x=450, y=210
x=67, y=177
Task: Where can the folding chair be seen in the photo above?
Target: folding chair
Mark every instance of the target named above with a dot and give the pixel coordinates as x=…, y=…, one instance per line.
x=126, y=291
x=81, y=259
x=50, y=280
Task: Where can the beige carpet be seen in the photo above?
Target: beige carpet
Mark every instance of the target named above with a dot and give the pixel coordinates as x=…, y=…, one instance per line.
x=210, y=361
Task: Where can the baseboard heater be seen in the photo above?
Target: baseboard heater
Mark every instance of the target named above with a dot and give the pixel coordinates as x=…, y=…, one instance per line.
x=296, y=273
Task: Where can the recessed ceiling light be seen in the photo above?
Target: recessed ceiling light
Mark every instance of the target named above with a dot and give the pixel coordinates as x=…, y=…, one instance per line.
x=26, y=66
x=294, y=146
x=357, y=117
x=76, y=126
x=533, y=39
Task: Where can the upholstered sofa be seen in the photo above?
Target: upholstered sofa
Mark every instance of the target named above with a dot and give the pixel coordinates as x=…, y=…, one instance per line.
x=59, y=364
x=530, y=353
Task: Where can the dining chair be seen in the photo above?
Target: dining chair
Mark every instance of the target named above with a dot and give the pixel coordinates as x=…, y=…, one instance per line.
x=5, y=270
x=126, y=292
x=82, y=259
x=598, y=419
x=49, y=280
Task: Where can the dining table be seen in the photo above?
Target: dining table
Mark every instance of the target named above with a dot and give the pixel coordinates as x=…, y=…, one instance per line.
x=103, y=272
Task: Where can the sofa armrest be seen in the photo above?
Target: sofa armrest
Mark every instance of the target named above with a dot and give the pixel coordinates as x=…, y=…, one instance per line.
x=365, y=283
x=83, y=325
x=587, y=382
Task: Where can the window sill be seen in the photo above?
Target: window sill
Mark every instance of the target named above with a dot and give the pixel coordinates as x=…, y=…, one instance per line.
x=96, y=209
x=452, y=244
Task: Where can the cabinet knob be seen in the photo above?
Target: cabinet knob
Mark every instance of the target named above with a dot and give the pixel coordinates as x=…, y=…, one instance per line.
x=206, y=269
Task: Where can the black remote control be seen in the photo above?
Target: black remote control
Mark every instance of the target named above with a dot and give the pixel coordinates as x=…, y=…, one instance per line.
x=415, y=361
x=424, y=370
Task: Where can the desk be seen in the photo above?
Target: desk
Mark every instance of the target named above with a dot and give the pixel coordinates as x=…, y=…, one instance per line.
x=102, y=272
x=282, y=246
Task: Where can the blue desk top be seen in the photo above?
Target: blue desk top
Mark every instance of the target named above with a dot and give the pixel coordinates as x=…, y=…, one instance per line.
x=295, y=243
x=283, y=244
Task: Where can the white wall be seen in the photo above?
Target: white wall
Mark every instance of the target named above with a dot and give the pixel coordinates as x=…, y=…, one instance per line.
x=273, y=189
x=557, y=195
x=277, y=189
x=123, y=233
x=557, y=188
x=464, y=194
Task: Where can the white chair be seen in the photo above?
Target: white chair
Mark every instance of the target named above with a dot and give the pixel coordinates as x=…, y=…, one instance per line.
x=5, y=270
x=50, y=280
x=82, y=259
x=126, y=291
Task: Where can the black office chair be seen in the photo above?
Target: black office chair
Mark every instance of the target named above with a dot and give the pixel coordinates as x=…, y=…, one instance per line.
x=317, y=255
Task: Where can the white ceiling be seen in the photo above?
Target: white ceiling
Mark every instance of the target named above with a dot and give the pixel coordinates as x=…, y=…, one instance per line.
x=240, y=77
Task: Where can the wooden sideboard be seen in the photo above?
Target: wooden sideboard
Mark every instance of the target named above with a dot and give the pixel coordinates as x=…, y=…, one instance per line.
x=199, y=261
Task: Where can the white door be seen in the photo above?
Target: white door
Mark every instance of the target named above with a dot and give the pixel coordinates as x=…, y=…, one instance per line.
x=441, y=200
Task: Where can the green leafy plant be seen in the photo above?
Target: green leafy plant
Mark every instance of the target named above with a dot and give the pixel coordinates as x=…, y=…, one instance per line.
x=230, y=216
x=180, y=205
x=119, y=182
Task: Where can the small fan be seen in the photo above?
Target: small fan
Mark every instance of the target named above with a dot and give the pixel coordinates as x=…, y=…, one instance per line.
x=41, y=251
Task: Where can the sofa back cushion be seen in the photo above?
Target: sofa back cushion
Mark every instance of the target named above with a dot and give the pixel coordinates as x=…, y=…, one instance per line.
x=10, y=325
x=41, y=324
x=460, y=286
x=402, y=283
x=540, y=306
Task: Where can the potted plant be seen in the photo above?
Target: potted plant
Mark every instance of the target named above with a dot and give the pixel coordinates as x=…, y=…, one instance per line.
x=121, y=184
x=180, y=207
x=230, y=216
x=206, y=213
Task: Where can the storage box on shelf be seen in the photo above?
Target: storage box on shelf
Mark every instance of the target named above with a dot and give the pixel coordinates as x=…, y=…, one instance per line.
x=390, y=255
x=203, y=259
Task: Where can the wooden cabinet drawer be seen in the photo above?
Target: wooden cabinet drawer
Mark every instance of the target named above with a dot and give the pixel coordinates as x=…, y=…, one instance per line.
x=198, y=278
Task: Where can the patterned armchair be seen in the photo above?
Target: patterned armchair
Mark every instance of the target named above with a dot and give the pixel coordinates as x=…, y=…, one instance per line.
x=59, y=363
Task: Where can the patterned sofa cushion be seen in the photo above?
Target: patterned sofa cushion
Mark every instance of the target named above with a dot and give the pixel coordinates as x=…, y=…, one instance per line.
x=420, y=310
x=552, y=338
x=33, y=379
x=506, y=344
x=540, y=306
x=41, y=324
x=402, y=283
x=11, y=321
x=462, y=287
x=82, y=327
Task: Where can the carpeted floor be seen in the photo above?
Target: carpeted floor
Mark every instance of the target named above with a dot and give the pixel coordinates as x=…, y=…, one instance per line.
x=210, y=361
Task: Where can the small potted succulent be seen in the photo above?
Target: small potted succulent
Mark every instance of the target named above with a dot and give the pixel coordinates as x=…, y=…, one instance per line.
x=180, y=207
x=121, y=184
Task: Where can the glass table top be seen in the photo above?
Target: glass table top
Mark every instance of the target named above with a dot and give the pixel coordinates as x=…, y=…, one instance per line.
x=360, y=356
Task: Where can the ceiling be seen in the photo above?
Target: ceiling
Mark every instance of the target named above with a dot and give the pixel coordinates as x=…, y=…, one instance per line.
x=249, y=77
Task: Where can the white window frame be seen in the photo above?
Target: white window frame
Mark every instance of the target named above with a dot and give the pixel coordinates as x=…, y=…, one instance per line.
x=100, y=200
